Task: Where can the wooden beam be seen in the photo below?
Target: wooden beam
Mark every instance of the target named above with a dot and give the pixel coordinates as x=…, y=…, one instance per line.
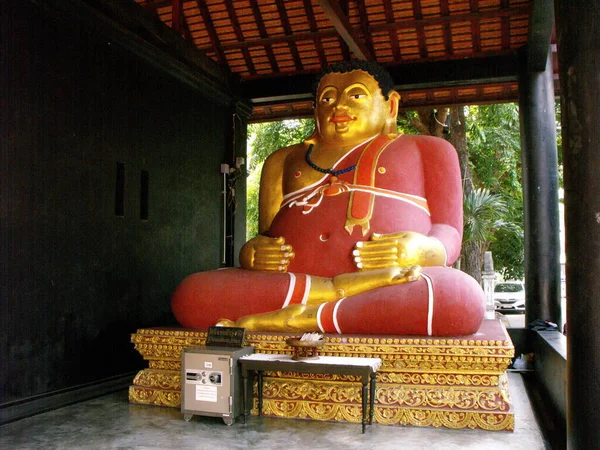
x=212, y=32
x=389, y=18
x=263, y=34
x=505, y=26
x=541, y=25
x=312, y=23
x=341, y=23
x=465, y=17
x=418, y=15
x=186, y=29
x=287, y=29
x=475, y=28
x=346, y=54
x=445, y=10
x=239, y=36
x=176, y=15
x=457, y=72
x=279, y=39
x=365, y=26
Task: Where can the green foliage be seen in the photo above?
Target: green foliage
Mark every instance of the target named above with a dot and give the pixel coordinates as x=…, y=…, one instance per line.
x=264, y=139
x=267, y=137
x=482, y=215
x=405, y=122
x=495, y=157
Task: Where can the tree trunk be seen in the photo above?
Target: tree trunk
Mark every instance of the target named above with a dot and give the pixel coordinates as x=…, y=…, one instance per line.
x=458, y=138
x=471, y=256
x=470, y=252
x=430, y=121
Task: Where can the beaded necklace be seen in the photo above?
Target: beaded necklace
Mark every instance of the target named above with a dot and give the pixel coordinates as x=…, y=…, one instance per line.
x=335, y=173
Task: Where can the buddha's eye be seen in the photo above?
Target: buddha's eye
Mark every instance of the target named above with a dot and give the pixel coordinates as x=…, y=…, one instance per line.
x=357, y=96
x=327, y=100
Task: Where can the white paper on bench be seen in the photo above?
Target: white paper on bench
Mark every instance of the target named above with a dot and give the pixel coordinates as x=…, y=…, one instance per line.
x=374, y=363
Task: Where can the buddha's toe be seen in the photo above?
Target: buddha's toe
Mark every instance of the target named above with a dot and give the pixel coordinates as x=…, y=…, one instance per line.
x=225, y=323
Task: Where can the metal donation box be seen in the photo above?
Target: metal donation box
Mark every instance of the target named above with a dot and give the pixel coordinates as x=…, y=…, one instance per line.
x=211, y=384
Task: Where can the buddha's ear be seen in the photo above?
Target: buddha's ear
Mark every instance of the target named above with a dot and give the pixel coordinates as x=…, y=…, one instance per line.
x=394, y=102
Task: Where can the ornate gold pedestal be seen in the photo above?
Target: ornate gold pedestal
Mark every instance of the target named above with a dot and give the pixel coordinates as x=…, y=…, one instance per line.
x=424, y=381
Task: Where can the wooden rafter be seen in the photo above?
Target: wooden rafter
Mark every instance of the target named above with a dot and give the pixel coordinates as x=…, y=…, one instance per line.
x=505, y=26
x=342, y=25
x=312, y=23
x=364, y=25
x=343, y=45
x=418, y=15
x=475, y=28
x=465, y=17
x=279, y=39
x=287, y=29
x=389, y=18
x=186, y=29
x=445, y=11
x=240, y=37
x=158, y=5
x=212, y=33
x=177, y=15
x=262, y=31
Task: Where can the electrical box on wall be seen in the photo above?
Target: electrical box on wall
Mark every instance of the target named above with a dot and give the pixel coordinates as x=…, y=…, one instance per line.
x=211, y=384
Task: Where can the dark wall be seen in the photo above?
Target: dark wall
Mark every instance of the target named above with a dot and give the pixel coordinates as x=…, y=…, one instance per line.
x=77, y=275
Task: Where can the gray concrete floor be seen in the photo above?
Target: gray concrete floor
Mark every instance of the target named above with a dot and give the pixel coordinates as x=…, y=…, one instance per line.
x=110, y=422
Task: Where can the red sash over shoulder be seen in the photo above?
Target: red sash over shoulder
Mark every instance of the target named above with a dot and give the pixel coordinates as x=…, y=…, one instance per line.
x=362, y=191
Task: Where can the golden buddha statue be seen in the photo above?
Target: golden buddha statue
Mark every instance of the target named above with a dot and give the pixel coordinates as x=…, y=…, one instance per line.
x=358, y=227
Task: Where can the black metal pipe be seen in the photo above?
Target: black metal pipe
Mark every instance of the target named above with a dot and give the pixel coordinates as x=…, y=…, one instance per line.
x=540, y=193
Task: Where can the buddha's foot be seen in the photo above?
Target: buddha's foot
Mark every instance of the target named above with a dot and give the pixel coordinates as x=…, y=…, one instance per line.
x=349, y=284
x=407, y=274
x=294, y=318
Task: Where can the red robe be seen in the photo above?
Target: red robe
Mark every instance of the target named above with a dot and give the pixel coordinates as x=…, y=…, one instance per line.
x=411, y=183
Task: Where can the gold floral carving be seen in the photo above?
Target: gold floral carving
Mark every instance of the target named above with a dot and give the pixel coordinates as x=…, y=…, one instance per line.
x=453, y=383
x=161, y=379
x=165, y=364
x=484, y=399
x=390, y=416
x=334, y=392
x=449, y=379
x=444, y=418
x=154, y=397
x=172, y=341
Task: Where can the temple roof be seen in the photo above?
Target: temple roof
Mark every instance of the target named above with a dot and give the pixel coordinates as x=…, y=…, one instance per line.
x=440, y=52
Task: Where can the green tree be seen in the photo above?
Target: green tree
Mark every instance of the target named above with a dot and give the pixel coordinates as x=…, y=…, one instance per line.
x=264, y=139
x=495, y=159
x=484, y=218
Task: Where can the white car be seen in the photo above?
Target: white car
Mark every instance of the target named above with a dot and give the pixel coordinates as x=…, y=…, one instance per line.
x=509, y=296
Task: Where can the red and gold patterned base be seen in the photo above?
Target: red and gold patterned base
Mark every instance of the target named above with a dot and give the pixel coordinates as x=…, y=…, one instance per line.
x=424, y=381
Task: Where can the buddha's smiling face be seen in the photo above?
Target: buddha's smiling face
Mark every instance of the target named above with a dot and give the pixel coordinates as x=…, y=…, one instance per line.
x=350, y=108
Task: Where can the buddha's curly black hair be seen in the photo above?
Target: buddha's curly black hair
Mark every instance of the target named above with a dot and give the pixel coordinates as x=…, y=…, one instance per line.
x=383, y=78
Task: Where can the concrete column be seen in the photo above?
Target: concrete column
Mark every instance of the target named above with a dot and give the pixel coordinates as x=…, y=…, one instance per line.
x=578, y=41
x=488, y=278
x=540, y=193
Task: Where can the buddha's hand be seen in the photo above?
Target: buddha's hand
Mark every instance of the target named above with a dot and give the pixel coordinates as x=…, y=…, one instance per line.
x=401, y=249
x=266, y=253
